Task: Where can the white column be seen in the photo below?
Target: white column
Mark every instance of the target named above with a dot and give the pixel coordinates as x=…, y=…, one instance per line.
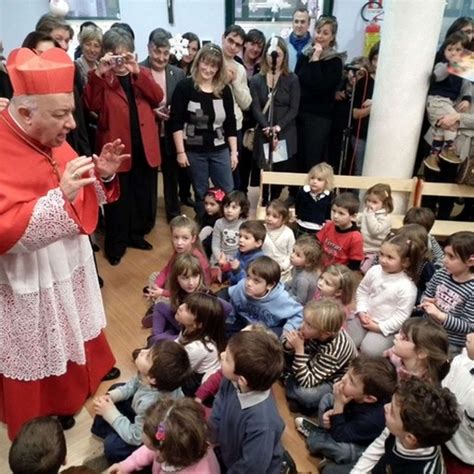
x=410, y=33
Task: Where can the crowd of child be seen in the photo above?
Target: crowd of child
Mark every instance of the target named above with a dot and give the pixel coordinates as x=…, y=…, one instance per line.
x=364, y=329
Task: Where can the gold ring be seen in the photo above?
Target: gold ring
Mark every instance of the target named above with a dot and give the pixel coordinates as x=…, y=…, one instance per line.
x=75, y=176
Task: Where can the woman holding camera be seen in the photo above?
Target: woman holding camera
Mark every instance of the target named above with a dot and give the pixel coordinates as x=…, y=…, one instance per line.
x=319, y=70
x=123, y=94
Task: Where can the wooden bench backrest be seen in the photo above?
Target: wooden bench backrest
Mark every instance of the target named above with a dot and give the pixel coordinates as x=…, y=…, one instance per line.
x=443, y=189
x=443, y=228
x=409, y=185
x=405, y=185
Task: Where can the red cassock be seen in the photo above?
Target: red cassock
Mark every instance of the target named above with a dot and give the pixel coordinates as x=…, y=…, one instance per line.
x=53, y=352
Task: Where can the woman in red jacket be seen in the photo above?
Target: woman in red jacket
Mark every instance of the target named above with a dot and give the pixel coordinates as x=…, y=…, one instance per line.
x=124, y=95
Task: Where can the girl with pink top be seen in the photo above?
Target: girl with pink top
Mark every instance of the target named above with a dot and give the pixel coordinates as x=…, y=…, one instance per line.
x=176, y=439
x=184, y=236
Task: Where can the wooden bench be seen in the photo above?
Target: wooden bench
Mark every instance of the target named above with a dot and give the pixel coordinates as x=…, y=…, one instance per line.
x=403, y=185
x=445, y=228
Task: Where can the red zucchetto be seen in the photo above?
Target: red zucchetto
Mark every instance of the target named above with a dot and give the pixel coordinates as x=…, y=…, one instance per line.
x=49, y=73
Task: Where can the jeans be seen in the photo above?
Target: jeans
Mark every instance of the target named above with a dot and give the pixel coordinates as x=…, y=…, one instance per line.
x=333, y=468
x=309, y=397
x=214, y=165
x=320, y=441
x=115, y=448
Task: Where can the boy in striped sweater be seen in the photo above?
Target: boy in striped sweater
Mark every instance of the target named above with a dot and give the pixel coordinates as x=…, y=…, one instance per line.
x=321, y=350
x=449, y=295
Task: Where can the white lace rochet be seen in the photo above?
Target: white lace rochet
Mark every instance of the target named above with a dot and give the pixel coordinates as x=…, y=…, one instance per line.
x=50, y=301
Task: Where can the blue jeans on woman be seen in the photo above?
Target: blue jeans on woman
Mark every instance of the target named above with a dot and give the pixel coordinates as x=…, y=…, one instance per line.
x=214, y=165
x=321, y=443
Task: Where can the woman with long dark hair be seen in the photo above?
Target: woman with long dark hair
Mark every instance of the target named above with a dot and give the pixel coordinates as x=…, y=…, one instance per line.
x=286, y=100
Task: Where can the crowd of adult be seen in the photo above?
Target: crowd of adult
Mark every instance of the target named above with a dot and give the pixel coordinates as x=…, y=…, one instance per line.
x=186, y=114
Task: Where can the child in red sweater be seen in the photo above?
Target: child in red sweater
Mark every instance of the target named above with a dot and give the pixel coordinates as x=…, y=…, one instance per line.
x=340, y=237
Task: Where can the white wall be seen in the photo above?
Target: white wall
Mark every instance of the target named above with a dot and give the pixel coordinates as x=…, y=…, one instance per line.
x=350, y=36
x=206, y=18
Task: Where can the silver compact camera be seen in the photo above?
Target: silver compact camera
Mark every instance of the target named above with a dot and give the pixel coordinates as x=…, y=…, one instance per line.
x=117, y=60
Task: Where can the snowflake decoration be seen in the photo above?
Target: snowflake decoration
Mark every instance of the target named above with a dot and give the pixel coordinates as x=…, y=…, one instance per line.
x=179, y=46
x=276, y=5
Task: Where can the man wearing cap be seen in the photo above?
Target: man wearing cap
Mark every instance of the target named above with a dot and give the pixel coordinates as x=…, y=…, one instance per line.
x=53, y=352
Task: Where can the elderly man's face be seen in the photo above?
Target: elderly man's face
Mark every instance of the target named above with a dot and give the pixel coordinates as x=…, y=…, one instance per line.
x=159, y=56
x=51, y=121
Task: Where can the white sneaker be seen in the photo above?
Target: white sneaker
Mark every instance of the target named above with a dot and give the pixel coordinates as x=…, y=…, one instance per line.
x=305, y=426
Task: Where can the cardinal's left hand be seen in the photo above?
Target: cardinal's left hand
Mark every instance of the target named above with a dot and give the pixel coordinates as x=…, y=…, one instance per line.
x=110, y=159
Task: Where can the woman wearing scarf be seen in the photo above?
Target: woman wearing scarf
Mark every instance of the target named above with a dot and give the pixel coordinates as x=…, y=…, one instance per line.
x=319, y=70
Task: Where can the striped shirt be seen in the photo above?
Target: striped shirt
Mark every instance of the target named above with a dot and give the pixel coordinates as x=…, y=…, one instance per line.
x=457, y=301
x=324, y=361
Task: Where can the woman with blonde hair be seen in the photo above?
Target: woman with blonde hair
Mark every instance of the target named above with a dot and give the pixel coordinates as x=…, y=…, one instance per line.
x=90, y=41
x=286, y=100
x=203, y=125
x=319, y=70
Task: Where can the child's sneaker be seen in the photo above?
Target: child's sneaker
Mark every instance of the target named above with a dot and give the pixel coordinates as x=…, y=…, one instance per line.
x=449, y=154
x=305, y=426
x=431, y=162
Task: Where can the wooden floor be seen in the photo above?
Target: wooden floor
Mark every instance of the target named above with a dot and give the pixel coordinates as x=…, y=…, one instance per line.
x=125, y=306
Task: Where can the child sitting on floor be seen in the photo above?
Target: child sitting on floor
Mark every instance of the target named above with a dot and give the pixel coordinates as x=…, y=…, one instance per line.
x=321, y=352
x=424, y=272
x=449, y=296
x=340, y=238
x=202, y=319
x=340, y=283
x=184, y=237
x=162, y=370
x=176, y=439
x=386, y=296
x=420, y=349
x=225, y=237
x=262, y=298
x=420, y=418
x=251, y=237
x=247, y=426
x=185, y=279
x=425, y=216
x=39, y=446
x=213, y=204
x=280, y=239
x=352, y=416
x=459, y=455
x=208, y=389
x=306, y=262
